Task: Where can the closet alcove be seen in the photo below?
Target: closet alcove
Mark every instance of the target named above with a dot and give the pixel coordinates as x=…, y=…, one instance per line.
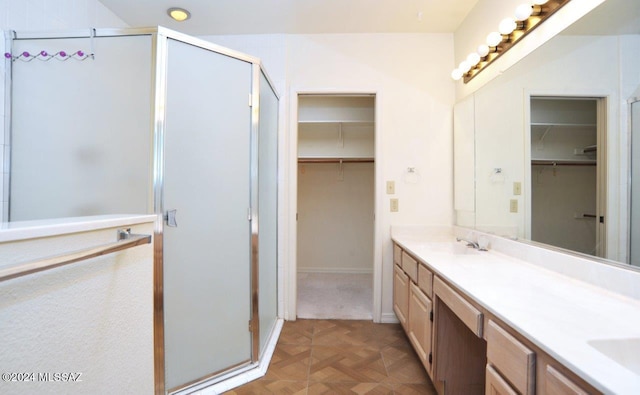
x=335, y=206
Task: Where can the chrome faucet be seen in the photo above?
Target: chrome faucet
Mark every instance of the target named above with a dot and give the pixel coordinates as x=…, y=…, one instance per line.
x=470, y=243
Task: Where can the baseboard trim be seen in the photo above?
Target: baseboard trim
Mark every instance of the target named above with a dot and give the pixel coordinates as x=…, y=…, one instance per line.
x=336, y=270
x=389, y=318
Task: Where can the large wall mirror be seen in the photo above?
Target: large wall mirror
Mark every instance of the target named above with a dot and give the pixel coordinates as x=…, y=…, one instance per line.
x=552, y=139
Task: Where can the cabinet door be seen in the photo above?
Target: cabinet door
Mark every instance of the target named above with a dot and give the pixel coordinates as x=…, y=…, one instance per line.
x=420, y=324
x=401, y=295
x=496, y=385
x=558, y=384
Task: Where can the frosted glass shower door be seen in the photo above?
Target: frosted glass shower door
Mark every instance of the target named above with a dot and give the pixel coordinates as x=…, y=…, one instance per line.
x=207, y=152
x=634, y=226
x=80, y=138
x=268, y=206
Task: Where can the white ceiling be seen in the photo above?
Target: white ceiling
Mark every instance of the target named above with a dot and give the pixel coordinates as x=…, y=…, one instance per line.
x=297, y=16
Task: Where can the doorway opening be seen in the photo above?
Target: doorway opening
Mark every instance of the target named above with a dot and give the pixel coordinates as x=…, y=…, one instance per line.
x=568, y=173
x=335, y=199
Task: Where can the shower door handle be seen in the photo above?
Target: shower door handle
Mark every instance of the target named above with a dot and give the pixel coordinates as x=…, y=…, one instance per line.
x=170, y=217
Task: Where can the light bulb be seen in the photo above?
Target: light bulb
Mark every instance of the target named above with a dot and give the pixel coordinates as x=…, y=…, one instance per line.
x=523, y=11
x=464, y=66
x=179, y=14
x=493, y=39
x=483, y=50
x=456, y=74
x=539, y=2
x=473, y=59
x=507, y=26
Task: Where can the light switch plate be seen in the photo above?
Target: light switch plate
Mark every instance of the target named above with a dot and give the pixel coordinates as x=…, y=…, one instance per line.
x=391, y=187
x=517, y=188
x=513, y=205
x=394, y=205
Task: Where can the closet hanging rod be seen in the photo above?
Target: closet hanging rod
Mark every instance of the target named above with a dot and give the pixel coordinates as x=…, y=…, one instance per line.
x=125, y=240
x=336, y=160
x=562, y=163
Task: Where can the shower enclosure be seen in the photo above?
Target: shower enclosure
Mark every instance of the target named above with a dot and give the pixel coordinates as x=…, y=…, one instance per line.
x=634, y=180
x=154, y=121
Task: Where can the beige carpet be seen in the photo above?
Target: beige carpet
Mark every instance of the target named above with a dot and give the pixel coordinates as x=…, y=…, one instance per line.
x=335, y=296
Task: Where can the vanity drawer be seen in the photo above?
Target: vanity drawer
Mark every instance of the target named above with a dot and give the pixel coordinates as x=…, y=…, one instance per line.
x=410, y=266
x=495, y=384
x=468, y=314
x=425, y=280
x=397, y=255
x=512, y=359
x=557, y=383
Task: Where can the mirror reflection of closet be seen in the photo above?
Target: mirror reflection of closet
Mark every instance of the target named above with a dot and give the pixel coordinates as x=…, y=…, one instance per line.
x=335, y=228
x=568, y=174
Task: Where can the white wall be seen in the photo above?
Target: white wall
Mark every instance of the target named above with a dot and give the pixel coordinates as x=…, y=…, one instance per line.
x=409, y=74
x=43, y=15
x=93, y=317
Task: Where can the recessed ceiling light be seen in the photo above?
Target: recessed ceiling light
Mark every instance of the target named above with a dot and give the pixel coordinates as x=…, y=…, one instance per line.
x=179, y=14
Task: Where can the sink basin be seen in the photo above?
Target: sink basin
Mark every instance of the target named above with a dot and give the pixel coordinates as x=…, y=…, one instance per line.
x=625, y=352
x=453, y=248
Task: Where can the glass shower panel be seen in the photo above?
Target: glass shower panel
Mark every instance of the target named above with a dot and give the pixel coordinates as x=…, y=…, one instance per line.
x=268, y=206
x=207, y=180
x=634, y=226
x=75, y=150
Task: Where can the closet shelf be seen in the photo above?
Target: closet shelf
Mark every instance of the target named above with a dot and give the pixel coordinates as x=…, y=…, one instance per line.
x=334, y=160
x=335, y=122
x=562, y=162
x=564, y=124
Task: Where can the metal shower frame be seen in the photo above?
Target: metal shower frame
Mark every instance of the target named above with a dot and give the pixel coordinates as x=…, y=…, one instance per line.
x=159, y=63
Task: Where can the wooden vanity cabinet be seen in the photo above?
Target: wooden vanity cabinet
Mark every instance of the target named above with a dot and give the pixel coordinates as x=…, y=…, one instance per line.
x=420, y=318
x=397, y=255
x=464, y=348
x=556, y=383
x=410, y=266
x=459, y=350
x=510, y=359
x=401, y=295
x=496, y=385
x=412, y=303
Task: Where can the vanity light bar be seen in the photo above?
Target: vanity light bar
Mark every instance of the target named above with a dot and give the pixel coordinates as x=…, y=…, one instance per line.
x=526, y=17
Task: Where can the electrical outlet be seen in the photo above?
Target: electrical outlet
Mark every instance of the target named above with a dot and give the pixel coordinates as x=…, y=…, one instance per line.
x=517, y=188
x=513, y=205
x=391, y=187
x=394, y=205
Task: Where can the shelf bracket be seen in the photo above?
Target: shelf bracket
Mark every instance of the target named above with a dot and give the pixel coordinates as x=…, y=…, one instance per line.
x=540, y=146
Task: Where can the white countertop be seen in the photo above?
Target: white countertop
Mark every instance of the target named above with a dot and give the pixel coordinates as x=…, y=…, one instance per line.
x=23, y=230
x=557, y=313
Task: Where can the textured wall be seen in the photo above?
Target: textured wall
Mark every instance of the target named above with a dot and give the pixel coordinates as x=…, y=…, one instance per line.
x=94, y=317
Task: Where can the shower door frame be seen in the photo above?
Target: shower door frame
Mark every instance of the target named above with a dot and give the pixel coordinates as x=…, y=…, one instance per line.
x=630, y=175
x=160, y=58
x=159, y=62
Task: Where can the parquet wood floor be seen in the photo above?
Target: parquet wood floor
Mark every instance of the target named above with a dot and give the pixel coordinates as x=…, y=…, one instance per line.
x=341, y=357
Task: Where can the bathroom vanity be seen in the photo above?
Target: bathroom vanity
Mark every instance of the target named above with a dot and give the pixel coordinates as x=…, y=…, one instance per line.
x=487, y=322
